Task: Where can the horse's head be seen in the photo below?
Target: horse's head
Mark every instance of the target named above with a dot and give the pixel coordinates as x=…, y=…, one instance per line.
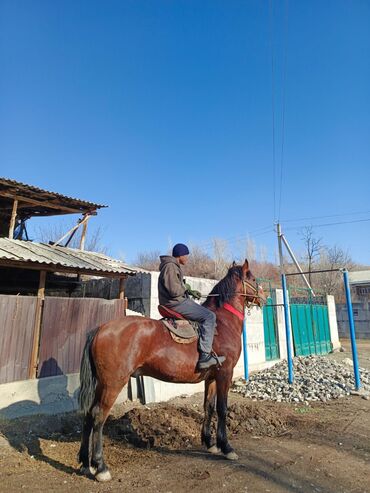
x=238, y=282
x=251, y=290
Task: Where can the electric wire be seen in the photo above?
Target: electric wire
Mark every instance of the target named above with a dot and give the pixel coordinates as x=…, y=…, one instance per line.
x=329, y=224
x=324, y=217
x=286, y=25
x=271, y=12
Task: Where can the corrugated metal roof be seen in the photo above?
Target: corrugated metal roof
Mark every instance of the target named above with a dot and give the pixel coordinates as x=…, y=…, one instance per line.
x=41, y=254
x=23, y=187
x=359, y=277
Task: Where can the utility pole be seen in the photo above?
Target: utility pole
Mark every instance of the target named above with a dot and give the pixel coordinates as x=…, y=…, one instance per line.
x=281, y=259
x=281, y=240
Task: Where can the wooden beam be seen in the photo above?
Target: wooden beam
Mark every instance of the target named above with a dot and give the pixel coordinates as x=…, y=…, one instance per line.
x=12, y=219
x=83, y=234
x=50, y=205
x=32, y=368
x=80, y=223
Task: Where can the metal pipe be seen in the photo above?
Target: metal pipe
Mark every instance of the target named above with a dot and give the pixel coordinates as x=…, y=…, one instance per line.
x=313, y=272
x=297, y=264
x=287, y=329
x=245, y=346
x=352, y=330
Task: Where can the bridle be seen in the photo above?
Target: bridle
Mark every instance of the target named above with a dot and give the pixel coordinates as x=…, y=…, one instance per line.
x=245, y=293
x=246, y=304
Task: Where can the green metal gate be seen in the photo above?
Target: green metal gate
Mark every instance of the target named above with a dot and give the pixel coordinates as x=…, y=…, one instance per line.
x=310, y=325
x=270, y=325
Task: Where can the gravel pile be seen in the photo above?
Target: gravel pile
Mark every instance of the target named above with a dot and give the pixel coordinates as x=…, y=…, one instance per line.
x=316, y=378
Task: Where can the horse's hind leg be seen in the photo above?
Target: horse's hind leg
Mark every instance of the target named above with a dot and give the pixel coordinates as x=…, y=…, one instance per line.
x=106, y=397
x=209, y=408
x=83, y=455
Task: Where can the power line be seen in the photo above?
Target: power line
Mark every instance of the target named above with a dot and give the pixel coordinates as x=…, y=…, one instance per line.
x=330, y=224
x=324, y=217
x=271, y=11
x=236, y=239
x=286, y=18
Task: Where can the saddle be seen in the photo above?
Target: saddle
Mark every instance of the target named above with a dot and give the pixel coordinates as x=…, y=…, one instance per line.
x=181, y=330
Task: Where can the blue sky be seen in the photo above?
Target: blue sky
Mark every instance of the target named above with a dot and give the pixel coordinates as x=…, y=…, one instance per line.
x=163, y=111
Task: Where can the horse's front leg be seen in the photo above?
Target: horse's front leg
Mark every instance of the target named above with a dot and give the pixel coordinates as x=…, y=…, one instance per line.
x=209, y=408
x=223, y=384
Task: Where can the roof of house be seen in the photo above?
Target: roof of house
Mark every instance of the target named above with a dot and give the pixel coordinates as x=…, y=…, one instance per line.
x=40, y=256
x=34, y=201
x=359, y=277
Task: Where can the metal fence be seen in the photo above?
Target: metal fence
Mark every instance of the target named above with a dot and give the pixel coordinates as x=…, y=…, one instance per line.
x=65, y=322
x=17, y=318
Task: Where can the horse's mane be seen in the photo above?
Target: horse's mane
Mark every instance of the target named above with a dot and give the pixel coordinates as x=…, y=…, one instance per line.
x=226, y=288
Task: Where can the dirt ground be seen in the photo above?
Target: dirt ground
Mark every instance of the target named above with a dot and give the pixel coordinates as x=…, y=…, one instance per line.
x=282, y=448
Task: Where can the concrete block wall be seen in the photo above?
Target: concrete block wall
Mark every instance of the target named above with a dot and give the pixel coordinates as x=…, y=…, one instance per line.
x=281, y=330
x=333, y=323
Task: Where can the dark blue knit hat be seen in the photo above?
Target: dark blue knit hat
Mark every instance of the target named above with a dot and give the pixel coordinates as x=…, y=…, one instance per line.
x=179, y=250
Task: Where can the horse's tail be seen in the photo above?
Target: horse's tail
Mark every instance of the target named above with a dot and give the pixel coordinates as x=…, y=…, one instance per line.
x=87, y=375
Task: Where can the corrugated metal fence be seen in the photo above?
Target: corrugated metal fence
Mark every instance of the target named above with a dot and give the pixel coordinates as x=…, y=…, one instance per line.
x=64, y=326
x=65, y=322
x=17, y=319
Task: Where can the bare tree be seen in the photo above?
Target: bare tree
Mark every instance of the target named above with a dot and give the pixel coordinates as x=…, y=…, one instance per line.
x=313, y=247
x=200, y=264
x=53, y=232
x=331, y=282
x=221, y=257
x=148, y=260
x=250, y=249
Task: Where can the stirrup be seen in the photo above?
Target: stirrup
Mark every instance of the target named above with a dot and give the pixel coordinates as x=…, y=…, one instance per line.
x=217, y=358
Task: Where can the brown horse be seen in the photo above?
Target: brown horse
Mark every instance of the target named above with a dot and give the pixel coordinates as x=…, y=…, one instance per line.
x=116, y=350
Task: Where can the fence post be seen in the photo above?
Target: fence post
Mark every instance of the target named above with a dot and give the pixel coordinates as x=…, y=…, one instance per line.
x=352, y=330
x=32, y=369
x=287, y=329
x=245, y=346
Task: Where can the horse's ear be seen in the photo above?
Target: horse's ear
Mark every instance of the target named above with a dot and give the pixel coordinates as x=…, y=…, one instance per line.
x=234, y=263
x=245, y=266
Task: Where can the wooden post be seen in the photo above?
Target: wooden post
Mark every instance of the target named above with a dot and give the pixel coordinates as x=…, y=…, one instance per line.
x=32, y=369
x=12, y=219
x=121, y=295
x=121, y=288
x=83, y=235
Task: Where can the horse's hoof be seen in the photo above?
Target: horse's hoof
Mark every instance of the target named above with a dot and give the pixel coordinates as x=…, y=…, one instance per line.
x=213, y=450
x=231, y=456
x=92, y=470
x=103, y=476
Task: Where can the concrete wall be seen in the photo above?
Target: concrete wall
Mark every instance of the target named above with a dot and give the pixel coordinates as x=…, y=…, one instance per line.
x=333, y=324
x=50, y=395
x=281, y=330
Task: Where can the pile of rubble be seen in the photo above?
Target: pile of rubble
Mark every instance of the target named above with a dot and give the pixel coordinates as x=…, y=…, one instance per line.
x=316, y=378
